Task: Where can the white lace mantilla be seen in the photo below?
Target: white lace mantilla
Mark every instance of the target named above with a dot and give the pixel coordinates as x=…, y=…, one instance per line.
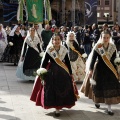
x=32, y=43
x=54, y=54
x=109, y=52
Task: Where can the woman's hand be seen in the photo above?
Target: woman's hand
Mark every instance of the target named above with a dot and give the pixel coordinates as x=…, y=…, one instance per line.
x=72, y=77
x=90, y=73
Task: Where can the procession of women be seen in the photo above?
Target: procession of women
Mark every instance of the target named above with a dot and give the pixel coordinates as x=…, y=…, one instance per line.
x=57, y=59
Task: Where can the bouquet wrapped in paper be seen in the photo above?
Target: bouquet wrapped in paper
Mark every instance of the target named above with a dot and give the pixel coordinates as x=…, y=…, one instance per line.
x=42, y=72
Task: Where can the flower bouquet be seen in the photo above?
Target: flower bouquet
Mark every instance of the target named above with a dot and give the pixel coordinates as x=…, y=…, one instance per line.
x=42, y=72
x=11, y=44
x=84, y=55
x=117, y=63
x=41, y=54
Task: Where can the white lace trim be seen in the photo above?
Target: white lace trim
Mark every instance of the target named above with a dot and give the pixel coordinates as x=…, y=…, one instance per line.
x=32, y=43
x=110, y=51
x=53, y=53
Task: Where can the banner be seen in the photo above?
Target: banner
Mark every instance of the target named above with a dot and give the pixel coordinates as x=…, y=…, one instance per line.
x=48, y=14
x=35, y=11
x=90, y=11
x=10, y=10
x=20, y=11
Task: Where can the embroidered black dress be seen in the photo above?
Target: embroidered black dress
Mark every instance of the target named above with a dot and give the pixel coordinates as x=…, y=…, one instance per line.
x=32, y=59
x=58, y=89
x=12, y=53
x=107, y=88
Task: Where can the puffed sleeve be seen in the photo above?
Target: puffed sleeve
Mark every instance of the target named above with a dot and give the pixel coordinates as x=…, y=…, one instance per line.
x=94, y=57
x=67, y=62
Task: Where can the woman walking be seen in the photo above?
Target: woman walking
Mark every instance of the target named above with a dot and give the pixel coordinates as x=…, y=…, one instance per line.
x=30, y=56
x=102, y=74
x=3, y=40
x=58, y=90
x=75, y=55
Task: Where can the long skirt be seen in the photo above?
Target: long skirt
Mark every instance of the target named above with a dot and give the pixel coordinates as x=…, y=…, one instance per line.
x=2, y=48
x=107, y=88
x=78, y=69
x=32, y=62
x=57, y=91
x=26, y=69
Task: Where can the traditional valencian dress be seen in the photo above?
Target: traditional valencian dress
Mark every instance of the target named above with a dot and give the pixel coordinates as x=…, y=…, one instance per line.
x=31, y=52
x=76, y=60
x=107, y=88
x=58, y=90
x=14, y=51
x=5, y=56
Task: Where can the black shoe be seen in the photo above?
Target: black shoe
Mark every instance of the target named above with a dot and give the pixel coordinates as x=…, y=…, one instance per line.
x=109, y=112
x=15, y=64
x=57, y=114
x=97, y=105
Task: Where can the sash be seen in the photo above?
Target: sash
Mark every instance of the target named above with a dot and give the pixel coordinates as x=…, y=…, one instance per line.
x=54, y=55
x=75, y=51
x=57, y=60
x=106, y=60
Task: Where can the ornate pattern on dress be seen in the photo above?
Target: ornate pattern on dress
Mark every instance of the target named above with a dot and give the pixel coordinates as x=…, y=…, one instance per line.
x=61, y=54
x=110, y=51
x=78, y=66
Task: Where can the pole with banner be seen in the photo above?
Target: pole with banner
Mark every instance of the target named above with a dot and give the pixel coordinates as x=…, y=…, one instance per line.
x=20, y=11
x=48, y=14
x=35, y=11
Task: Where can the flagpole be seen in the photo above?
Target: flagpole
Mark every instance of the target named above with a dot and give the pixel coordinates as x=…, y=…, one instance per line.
x=45, y=11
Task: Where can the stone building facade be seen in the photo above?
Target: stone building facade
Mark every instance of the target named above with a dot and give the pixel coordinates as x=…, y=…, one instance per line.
x=68, y=11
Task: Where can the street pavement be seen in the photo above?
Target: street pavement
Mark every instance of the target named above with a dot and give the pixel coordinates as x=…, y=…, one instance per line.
x=15, y=102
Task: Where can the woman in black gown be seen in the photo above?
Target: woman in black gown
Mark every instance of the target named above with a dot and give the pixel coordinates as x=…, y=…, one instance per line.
x=13, y=52
x=105, y=86
x=30, y=56
x=58, y=91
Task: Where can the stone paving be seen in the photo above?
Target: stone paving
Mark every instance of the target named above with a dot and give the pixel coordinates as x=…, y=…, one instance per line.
x=15, y=103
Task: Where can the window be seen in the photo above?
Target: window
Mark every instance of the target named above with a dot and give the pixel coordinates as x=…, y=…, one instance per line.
x=99, y=2
x=106, y=14
x=107, y=2
x=98, y=14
